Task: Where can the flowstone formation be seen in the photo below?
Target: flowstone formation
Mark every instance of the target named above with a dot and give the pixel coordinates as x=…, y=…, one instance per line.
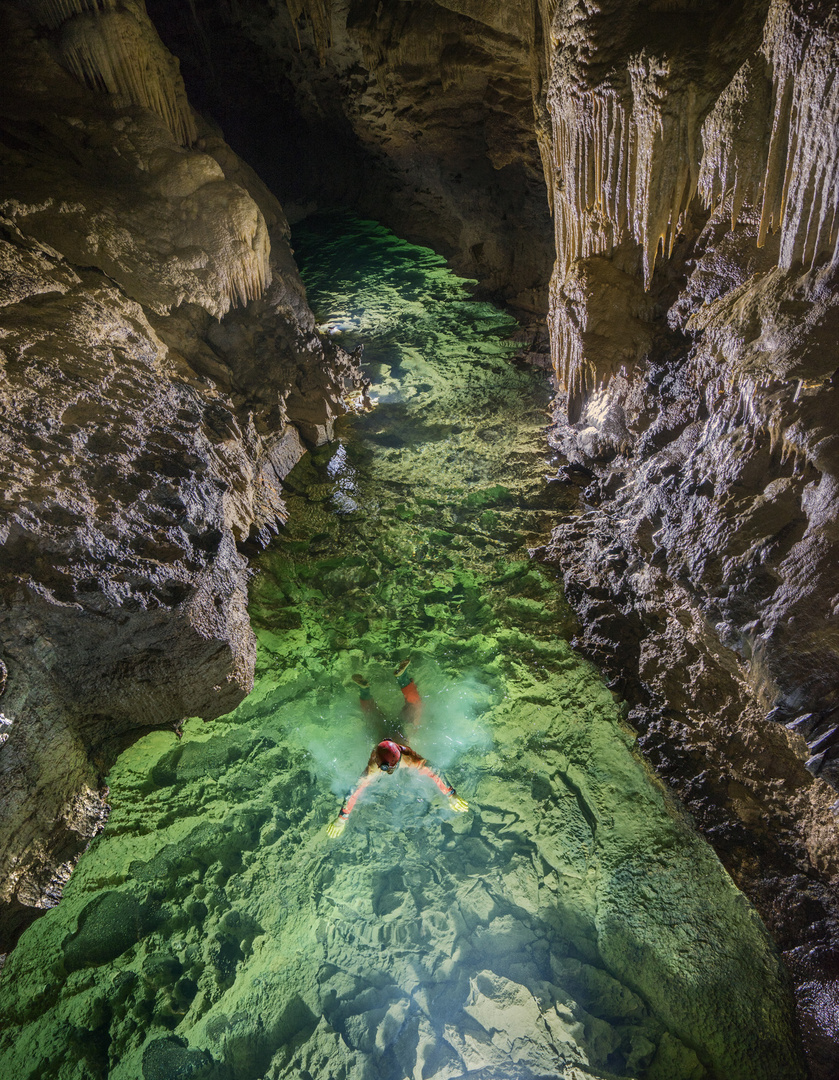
x=162, y=374
x=571, y=923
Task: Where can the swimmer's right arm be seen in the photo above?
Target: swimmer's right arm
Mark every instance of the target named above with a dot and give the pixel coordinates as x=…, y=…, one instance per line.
x=336, y=827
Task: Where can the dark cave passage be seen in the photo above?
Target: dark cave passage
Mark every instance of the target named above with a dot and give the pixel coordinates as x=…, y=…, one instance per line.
x=445, y=158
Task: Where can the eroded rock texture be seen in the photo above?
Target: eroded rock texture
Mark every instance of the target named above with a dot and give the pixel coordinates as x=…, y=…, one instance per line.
x=161, y=374
x=693, y=322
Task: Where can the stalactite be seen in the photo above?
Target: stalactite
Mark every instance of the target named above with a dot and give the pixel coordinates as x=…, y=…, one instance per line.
x=55, y=12
x=802, y=182
x=627, y=156
x=246, y=261
x=568, y=324
x=586, y=304
x=589, y=215
x=734, y=141
x=793, y=106
x=319, y=13
x=543, y=130
x=761, y=403
x=114, y=52
x=628, y=165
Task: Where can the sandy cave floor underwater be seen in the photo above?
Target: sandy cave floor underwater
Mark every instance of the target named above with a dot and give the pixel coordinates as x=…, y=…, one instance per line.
x=571, y=924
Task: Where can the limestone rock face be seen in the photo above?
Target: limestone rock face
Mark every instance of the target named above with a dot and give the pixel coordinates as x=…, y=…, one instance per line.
x=161, y=375
x=693, y=322
x=713, y=393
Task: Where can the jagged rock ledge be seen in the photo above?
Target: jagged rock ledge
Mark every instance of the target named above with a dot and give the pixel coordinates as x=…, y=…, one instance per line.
x=693, y=322
x=162, y=374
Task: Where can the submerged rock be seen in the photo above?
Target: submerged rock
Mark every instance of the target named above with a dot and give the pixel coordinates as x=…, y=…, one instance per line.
x=571, y=922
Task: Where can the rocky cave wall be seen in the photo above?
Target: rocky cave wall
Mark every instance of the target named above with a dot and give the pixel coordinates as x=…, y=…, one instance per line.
x=420, y=115
x=687, y=152
x=694, y=336
x=161, y=375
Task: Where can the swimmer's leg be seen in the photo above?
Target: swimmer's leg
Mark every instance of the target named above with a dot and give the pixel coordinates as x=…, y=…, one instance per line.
x=373, y=714
x=412, y=709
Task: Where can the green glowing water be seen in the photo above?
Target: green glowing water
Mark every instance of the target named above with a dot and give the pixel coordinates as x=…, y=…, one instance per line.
x=570, y=924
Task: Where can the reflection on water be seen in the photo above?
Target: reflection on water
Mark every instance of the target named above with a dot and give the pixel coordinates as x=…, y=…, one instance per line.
x=570, y=924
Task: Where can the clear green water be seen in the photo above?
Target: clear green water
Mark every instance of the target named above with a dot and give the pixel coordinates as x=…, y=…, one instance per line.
x=571, y=924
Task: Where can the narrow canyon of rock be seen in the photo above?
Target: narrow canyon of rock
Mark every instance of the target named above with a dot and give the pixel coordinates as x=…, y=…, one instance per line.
x=565, y=439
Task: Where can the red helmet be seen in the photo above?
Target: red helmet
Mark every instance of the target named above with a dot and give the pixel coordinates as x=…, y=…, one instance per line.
x=388, y=753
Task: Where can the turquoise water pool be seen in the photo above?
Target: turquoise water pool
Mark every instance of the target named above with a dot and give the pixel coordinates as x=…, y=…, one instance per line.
x=570, y=924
